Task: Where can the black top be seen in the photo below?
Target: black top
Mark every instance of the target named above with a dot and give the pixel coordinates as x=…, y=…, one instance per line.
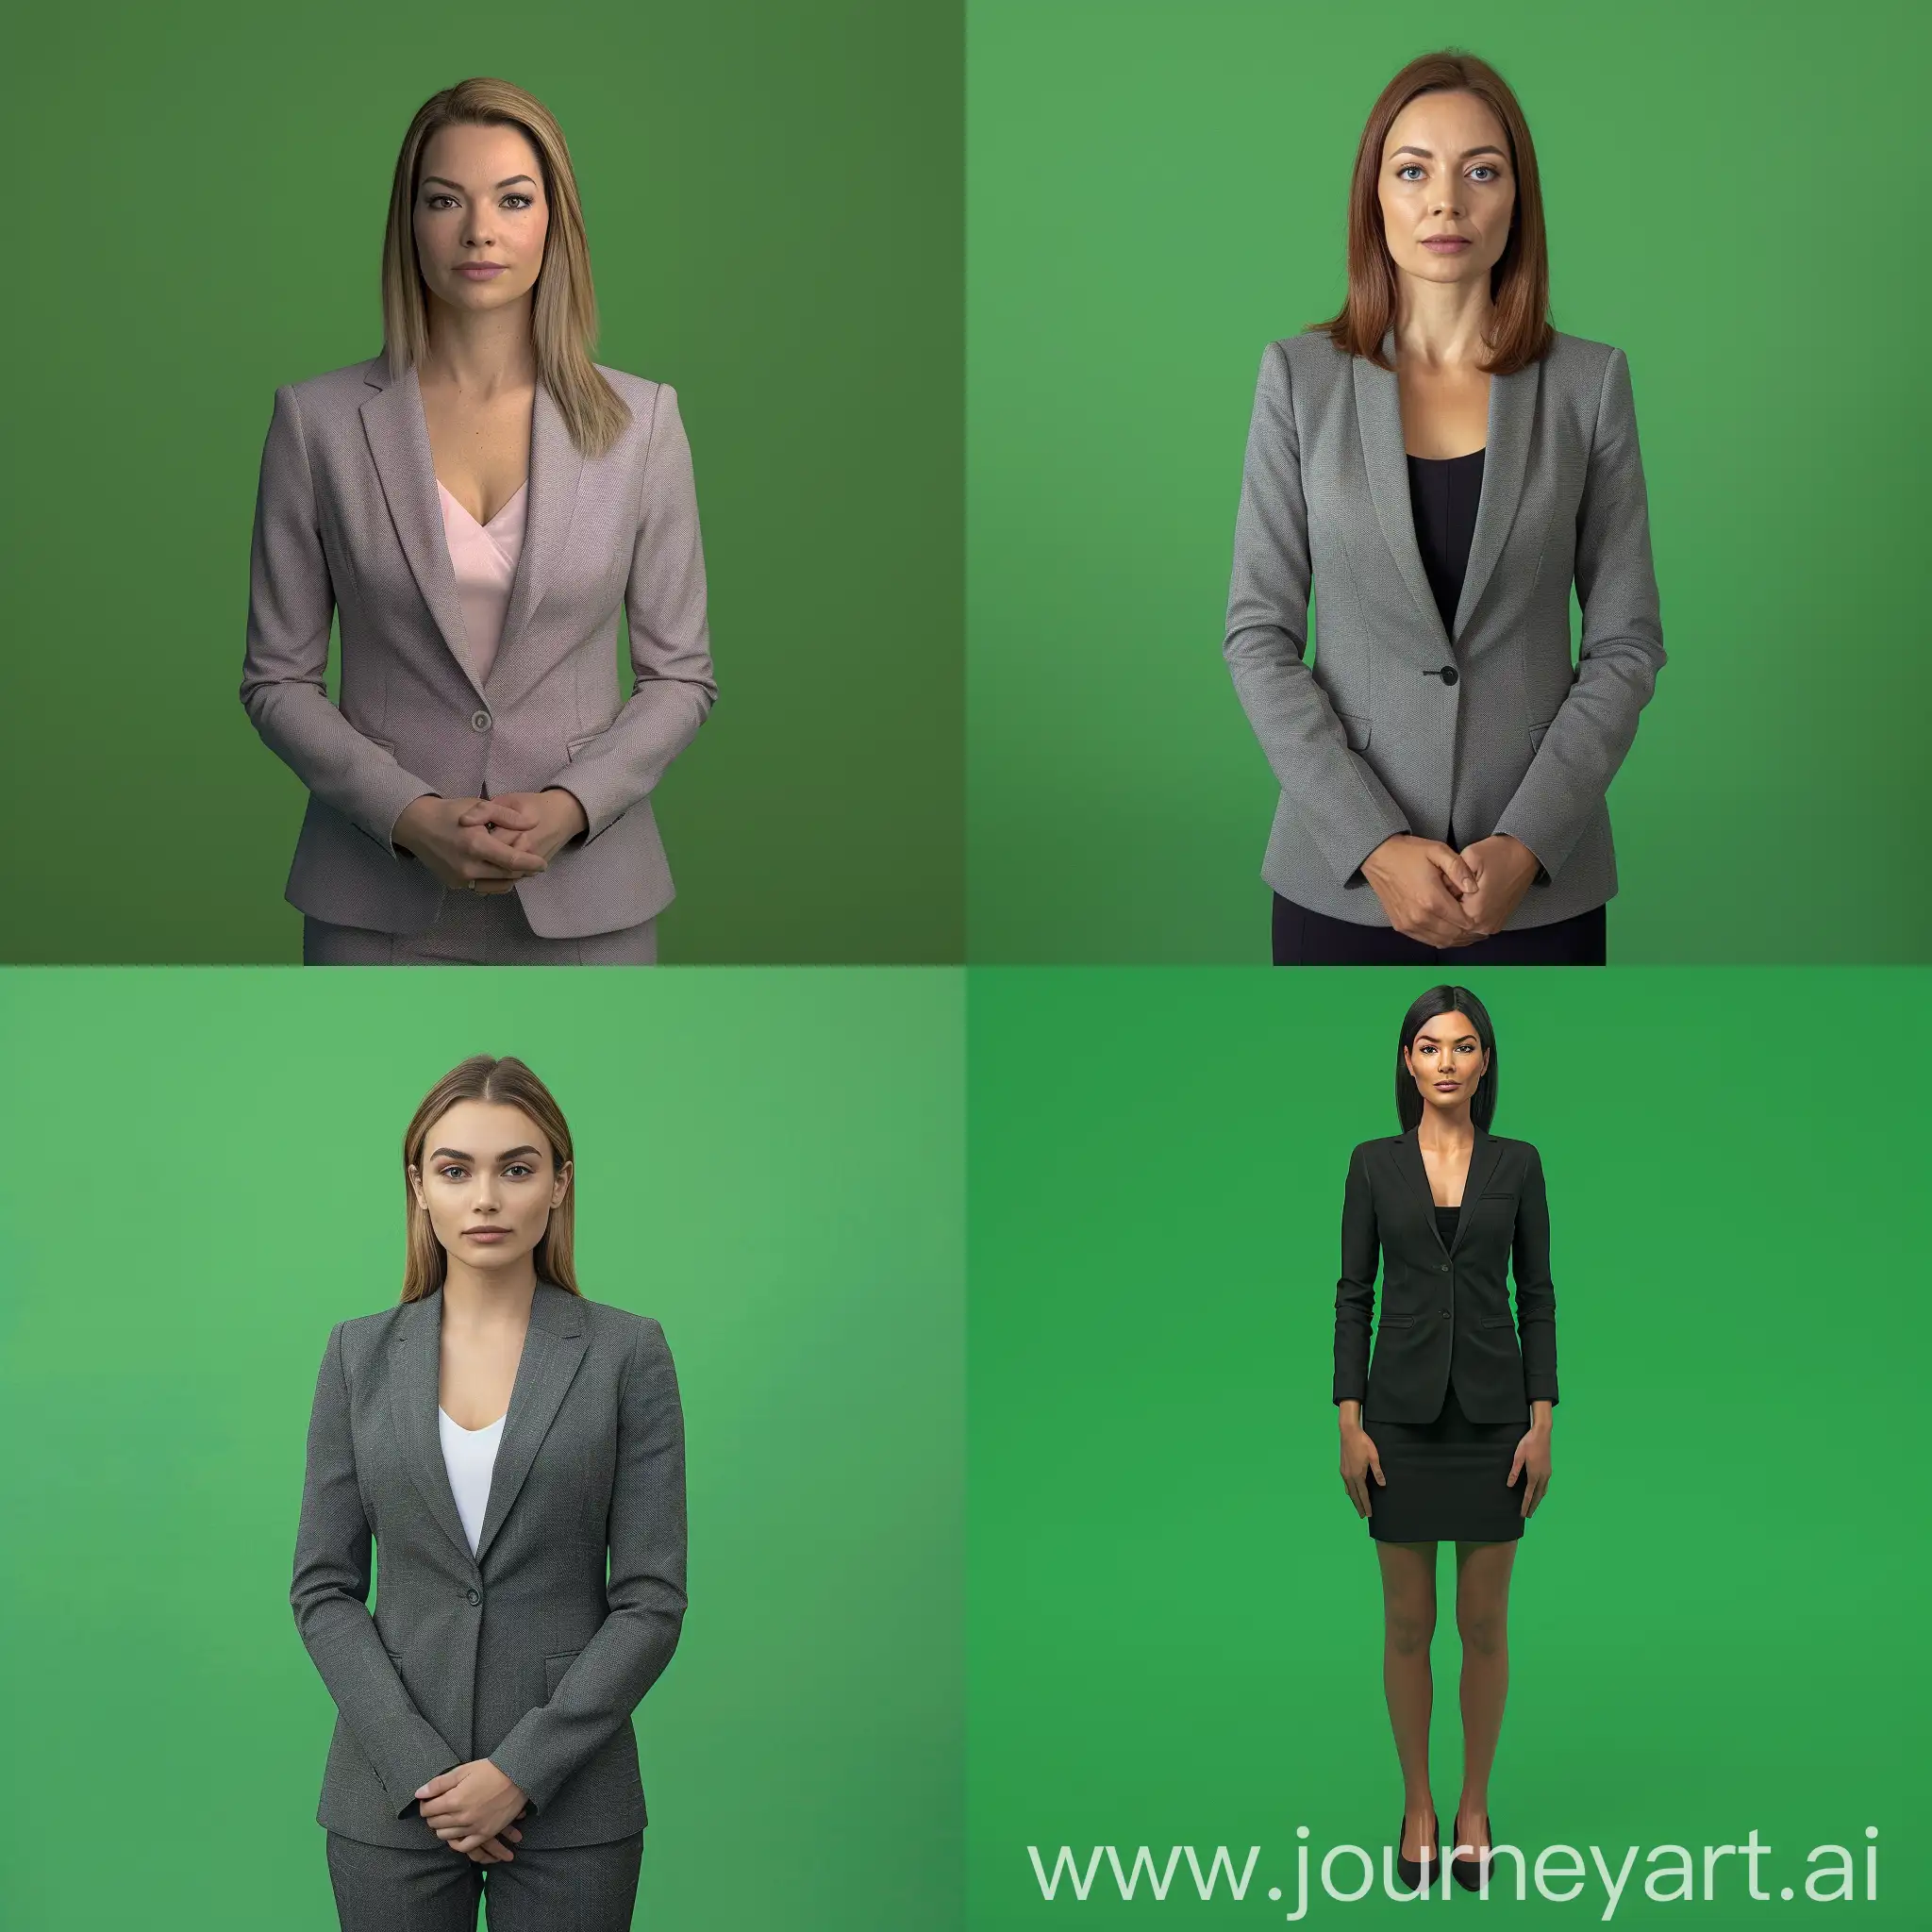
x=1443, y=493
x=1446, y=1224
x=1443, y=1311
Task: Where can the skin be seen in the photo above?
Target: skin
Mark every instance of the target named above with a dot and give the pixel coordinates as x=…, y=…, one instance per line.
x=479, y=198
x=1445, y=170
x=1447, y=1064
x=484, y=1165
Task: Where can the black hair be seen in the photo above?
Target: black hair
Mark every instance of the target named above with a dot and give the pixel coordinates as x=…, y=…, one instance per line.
x=1432, y=1005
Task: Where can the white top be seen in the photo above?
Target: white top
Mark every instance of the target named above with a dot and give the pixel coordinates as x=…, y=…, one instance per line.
x=484, y=559
x=469, y=1456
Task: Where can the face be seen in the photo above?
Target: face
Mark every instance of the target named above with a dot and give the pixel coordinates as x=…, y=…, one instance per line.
x=1447, y=1062
x=1445, y=171
x=479, y=198
x=488, y=1182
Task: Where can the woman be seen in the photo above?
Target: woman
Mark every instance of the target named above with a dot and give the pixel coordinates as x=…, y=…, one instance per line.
x=1445, y=1434
x=478, y=502
x=1437, y=464
x=500, y=1438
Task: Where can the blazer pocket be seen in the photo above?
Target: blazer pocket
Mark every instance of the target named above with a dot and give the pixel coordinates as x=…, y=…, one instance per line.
x=1499, y=1320
x=1396, y=1322
x=1536, y=734
x=553, y=1668
x=1357, y=727
x=572, y=745
x=1497, y=1195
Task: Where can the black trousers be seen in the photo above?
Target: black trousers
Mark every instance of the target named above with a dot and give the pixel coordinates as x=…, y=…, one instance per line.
x=1302, y=938
x=566, y=1888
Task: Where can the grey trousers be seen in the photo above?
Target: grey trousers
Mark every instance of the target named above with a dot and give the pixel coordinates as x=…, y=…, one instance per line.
x=566, y=1888
x=475, y=929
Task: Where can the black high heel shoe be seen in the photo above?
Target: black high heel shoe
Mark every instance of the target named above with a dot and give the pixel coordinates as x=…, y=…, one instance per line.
x=1410, y=1870
x=1469, y=1872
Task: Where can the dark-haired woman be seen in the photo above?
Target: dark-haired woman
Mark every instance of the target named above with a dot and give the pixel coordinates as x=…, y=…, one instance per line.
x=1435, y=465
x=503, y=1442
x=478, y=504
x=1445, y=1430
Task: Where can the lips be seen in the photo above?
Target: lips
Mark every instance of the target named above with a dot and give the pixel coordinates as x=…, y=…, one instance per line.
x=480, y=271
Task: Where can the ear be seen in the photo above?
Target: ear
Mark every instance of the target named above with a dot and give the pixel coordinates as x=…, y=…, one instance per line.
x=562, y=1186
x=415, y=1174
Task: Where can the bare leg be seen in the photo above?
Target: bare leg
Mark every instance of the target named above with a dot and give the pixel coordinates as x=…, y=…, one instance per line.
x=1482, y=1620
x=1409, y=1622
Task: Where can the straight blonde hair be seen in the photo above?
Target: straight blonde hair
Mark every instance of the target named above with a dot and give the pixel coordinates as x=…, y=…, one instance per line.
x=1521, y=331
x=504, y=1083
x=563, y=307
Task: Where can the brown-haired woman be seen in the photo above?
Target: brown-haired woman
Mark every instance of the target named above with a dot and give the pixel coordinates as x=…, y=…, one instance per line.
x=477, y=503
x=1437, y=466
x=502, y=1441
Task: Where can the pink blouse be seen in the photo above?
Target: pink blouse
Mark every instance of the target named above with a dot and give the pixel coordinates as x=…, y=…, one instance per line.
x=484, y=557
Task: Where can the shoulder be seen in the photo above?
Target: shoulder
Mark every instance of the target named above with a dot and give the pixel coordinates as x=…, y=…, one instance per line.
x=640, y=391
x=1306, y=361
x=621, y=1329
x=359, y=1337
x=1372, y=1152
x=1578, y=362
x=337, y=388
x=1519, y=1154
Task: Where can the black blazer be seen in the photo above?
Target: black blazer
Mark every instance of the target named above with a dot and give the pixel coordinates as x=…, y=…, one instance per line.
x=1445, y=1309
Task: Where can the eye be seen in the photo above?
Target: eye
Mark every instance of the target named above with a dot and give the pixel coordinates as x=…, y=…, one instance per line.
x=519, y=1167
x=1483, y=167
x=525, y=199
x=452, y=1171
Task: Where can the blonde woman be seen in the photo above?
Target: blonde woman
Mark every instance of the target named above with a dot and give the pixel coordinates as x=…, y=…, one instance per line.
x=514, y=1455
x=475, y=504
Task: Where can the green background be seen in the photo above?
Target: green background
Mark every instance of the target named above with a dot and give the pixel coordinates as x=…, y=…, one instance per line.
x=1173, y=1616
x=1154, y=191
x=201, y=1177
x=774, y=200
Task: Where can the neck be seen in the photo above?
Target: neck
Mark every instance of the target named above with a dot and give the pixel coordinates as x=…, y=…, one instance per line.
x=478, y=1298
x=1446, y=1129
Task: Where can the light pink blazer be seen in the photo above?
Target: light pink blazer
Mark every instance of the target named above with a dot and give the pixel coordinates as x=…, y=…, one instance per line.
x=348, y=522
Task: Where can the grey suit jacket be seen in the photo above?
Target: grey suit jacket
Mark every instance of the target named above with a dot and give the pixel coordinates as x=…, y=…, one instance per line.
x=525, y=1652
x=1398, y=727
x=347, y=519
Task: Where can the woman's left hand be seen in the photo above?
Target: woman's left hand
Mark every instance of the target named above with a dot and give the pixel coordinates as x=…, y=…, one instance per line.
x=1533, y=1464
x=470, y=1806
x=559, y=819
x=1504, y=868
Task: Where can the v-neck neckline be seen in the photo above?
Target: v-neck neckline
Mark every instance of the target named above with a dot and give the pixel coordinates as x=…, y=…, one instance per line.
x=502, y=508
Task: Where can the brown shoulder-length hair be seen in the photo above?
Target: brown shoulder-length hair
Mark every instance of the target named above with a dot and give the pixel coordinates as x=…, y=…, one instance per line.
x=563, y=307
x=1521, y=331
x=505, y=1083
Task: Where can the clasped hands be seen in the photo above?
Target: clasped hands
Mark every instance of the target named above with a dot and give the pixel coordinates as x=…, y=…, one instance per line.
x=487, y=845
x=1443, y=897
x=470, y=1810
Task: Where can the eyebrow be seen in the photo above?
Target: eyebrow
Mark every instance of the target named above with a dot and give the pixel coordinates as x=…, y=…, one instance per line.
x=1436, y=1039
x=444, y=181
x=455, y=1153
x=1427, y=153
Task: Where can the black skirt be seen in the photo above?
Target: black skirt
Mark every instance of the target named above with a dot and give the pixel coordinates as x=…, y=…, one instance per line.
x=1448, y=1480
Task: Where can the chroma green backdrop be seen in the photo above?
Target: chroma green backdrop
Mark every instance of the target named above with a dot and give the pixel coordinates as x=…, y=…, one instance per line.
x=201, y=1177
x=774, y=199
x=1158, y=191
x=1173, y=1626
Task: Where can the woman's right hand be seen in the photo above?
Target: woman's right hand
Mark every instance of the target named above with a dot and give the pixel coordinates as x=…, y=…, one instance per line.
x=1421, y=883
x=495, y=1852
x=1358, y=1458
x=466, y=857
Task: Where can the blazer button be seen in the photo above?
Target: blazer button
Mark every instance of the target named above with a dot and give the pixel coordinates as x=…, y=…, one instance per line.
x=1450, y=674
x=479, y=721
x=1441, y=1266
x=475, y=1596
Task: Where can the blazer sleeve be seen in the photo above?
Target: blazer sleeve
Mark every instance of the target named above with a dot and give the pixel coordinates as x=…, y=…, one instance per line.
x=674, y=688
x=608, y=1677
x=1535, y=1294
x=290, y=604
x=1623, y=647
x=330, y=1598
x=1355, y=1293
x=1348, y=811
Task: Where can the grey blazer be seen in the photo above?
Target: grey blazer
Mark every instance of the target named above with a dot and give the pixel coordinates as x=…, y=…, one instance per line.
x=523, y=1654
x=347, y=519
x=1398, y=727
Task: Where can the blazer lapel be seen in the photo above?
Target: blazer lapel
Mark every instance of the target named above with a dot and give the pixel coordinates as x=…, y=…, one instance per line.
x=1378, y=417
x=415, y=1393
x=1408, y=1157
x=552, y=1350
x=1482, y=1165
x=398, y=437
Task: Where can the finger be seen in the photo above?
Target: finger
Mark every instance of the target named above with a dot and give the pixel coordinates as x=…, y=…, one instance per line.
x=1461, y=875
x=490, y=857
